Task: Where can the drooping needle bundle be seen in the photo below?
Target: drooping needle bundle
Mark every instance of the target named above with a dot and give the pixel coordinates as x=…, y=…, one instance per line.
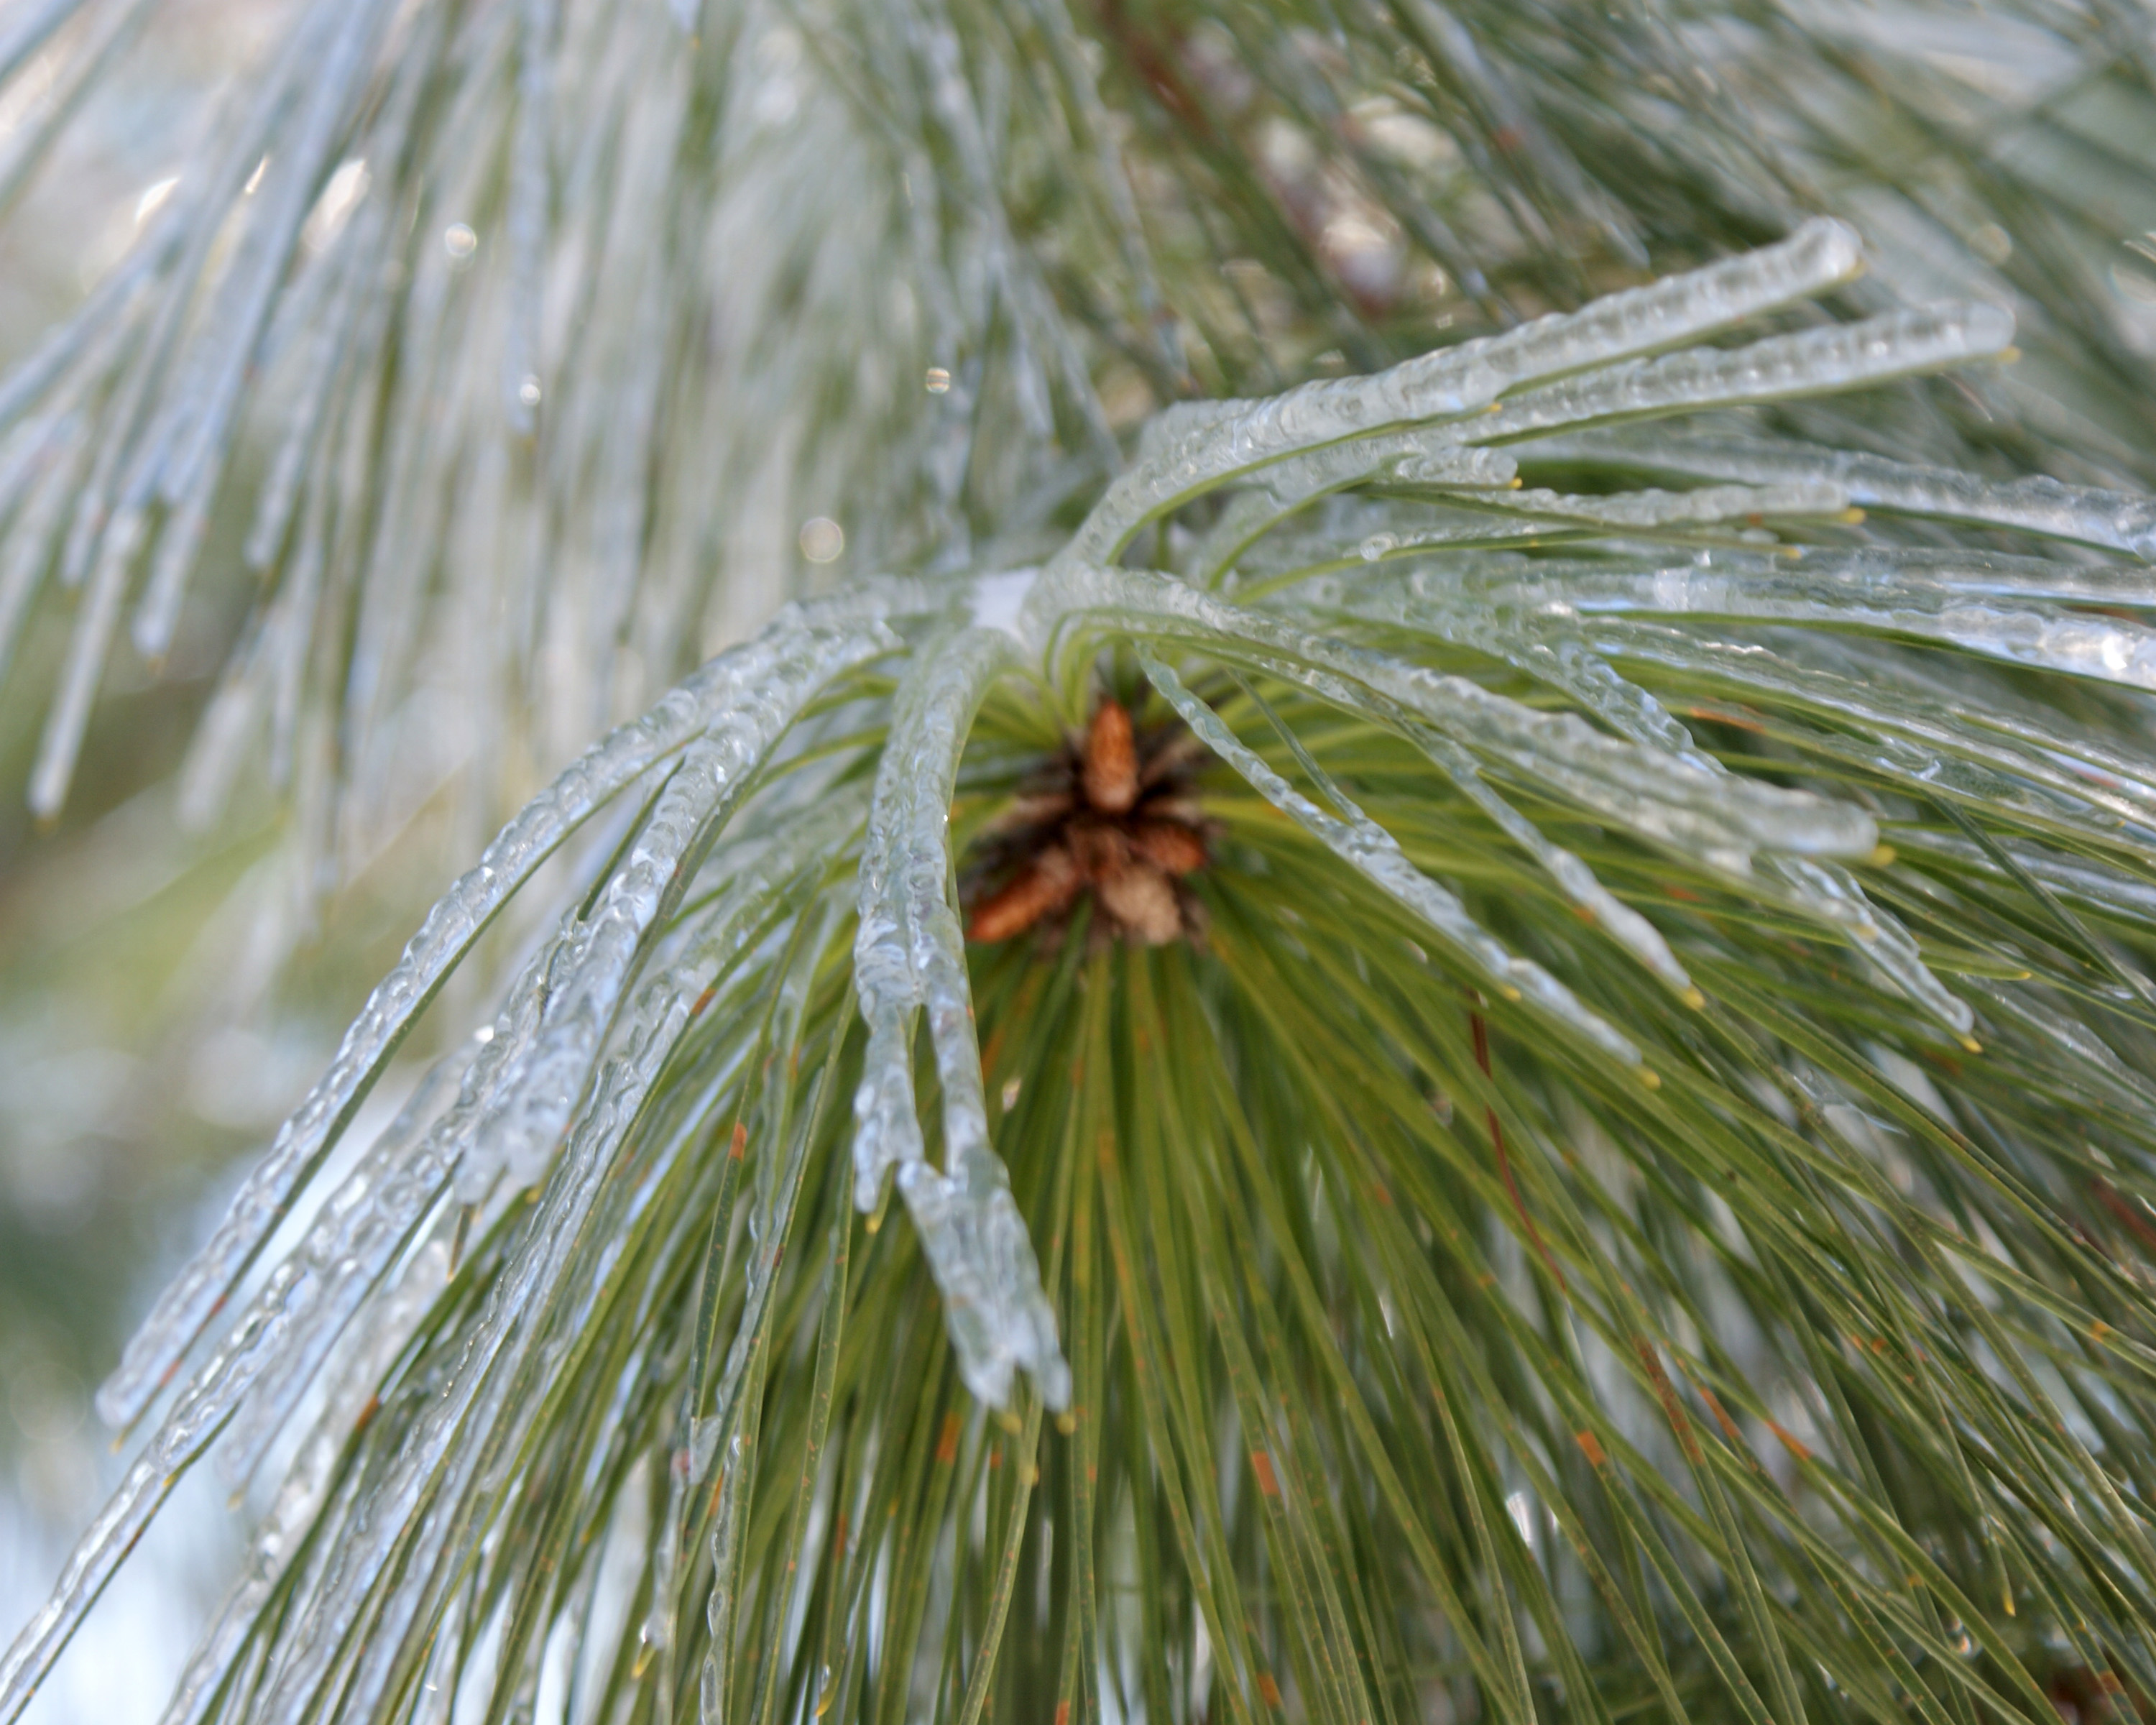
x=1625, y=1184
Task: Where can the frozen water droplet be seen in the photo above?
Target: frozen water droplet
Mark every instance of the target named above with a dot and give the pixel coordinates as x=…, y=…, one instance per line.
x=939, y=381
x=527, y=392
x=153, y=199
x=1376, y=545
x=822, y=539
x=460, y=241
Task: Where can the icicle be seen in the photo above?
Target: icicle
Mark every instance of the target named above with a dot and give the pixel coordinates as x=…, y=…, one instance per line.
x=541, y=1294
x=24, y=454
x=2117, y=521
x=2095, y=1062
x=1100, y=133
x=202, y=392
x=191, y=1423
x=133, y=437
x=759, y=683
x=599, y=955
x=2105, y=889
x=106, y=1542
x=1371, y=851
x=179, y=544
x=1626, y=926
x=1837, y=897
x=2003, y=753
x=1813, y=362
x=1296, y=560
x=1933, y=577
x=909, y=955
x=737, y=1408
x=1205, y=446
x=90, y=340
x=445, y=1663
x=107, y=503
x=318, y=1287
x=719, y=1609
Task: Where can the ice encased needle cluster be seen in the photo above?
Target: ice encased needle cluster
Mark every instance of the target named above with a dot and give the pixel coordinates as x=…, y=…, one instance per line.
x=909, y=957
x=1294, y=581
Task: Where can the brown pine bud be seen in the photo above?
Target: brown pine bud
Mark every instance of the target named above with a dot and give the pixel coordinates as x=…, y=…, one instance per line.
x=1169, y=846
x=1111, y=771
x=1044, y=886
x=1139, y=900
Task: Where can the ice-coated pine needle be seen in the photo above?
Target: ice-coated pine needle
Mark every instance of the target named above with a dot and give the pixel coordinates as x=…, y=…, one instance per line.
x=1573, y=1216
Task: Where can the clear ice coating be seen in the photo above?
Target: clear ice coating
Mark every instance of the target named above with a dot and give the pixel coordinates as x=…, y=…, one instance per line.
x=909, y=957
x=556, y=1015
x=1422, y=458
x=739, y=700
x=394, y=1312
x=555, y=1084
x=1813, y=361
x=1864, y=593
x=509, y=1355
x=350, y=1248
x=420, y=1496
x=1369, y=849
x=1196, y=449
x=1544, y=641
x=2114, y=520
x=1671, y=801
x=1495, y=519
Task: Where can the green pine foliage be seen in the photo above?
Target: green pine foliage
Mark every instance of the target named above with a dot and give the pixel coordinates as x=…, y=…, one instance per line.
x=1559, y=1127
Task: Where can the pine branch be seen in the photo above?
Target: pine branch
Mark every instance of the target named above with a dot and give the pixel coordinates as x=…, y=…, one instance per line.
x=1698, y=1195
x=1553, y=1117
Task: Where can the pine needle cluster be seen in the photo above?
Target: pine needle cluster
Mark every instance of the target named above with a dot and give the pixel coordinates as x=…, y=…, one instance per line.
x=1548, y=1113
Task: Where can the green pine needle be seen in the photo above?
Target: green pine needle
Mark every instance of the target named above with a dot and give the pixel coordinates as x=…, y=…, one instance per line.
x=1575, y=1142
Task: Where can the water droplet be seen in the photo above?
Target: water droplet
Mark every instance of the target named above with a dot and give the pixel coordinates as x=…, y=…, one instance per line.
x=152, y=199
x=460, y=241
x=822, y=539
x=527, y=392
x=939, y=381
x=1376, y=545
x=1010, y=1095
x=339, y=197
